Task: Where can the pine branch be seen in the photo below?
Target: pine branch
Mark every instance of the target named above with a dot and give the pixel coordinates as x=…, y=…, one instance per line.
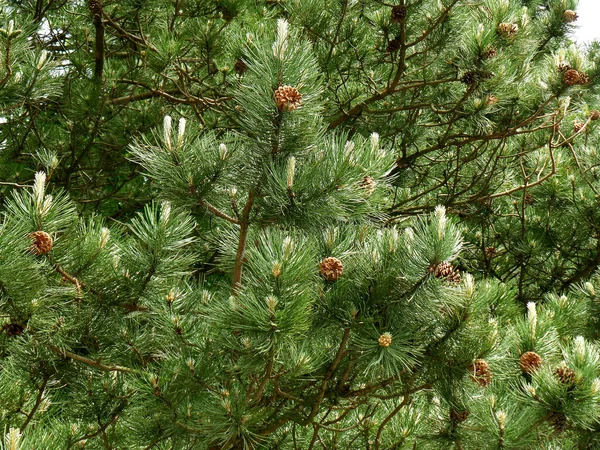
x=37, y=404
x=91, y=362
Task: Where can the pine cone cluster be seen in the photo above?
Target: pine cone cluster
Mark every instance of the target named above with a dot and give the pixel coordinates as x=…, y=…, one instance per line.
x=385, y=340
x=572, y=77
x=240, y=67
x=331, y=268
x=446, y=272
x=393, y=45
x=368, y=184
x=530, y=362
x=42, y=242
x=570, y=16
x=594, y=114
x=459, y=416
x=507, y=29
x=287, y=98
x=480, y=372
x=565, y=375
x=398, y=13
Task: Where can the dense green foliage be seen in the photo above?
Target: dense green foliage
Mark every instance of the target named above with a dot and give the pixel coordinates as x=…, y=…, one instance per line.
x=193, y=296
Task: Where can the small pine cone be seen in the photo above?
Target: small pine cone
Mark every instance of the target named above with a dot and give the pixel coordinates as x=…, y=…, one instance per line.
x=95, y=7
x=491, y=100
x=489, y=53
x=368, y=184
x=332, y=268
x=385, y=340
x=570, y=16
x=288, y=98
x=459, y=416
x=572, y=77
x=240, y=66
x=558, y=421
x=446, y=271
x=529, y=199
x=565, y=375
x=393, y=45
x=578, y=126
x=594, y=114
x=480, y=372
x=14, y=329
x=530, y=362
x=398, y=13
x=583, y=78
x=469, y=78
x=507, y=29
x=42, y=242
x=563, y=67
x=491, y=252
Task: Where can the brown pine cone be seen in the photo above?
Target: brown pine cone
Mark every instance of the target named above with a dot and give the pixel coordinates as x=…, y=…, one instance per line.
x=491, y=100
x=572, y=77
x=507, y=29
x=446, y=272
x=469, y=78
x=563, y=67
x=489, y=53
x=530, y=362
x=398, y=13
x=578, y=126
x=594, y=114
x=42, y=242
x=565, y=375
x=393, y=45
x=331, y=268
x=385, y=340
x=583, y=78
x=529, y=199
x=491, y=252
x=368, y=184
x=480, y=372
x=570, y=16
x=558, y=421
x=14, y=329
x=240, y=66
x=288, y=98
x=459, y=416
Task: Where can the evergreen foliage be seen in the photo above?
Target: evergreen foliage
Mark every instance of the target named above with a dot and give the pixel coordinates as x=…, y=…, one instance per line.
x=298, y=224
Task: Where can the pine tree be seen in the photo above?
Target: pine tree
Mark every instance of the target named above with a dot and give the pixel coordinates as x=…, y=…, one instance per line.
x=292, y=268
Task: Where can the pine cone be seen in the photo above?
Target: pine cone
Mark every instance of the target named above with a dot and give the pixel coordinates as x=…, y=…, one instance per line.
x=459, y=416
x=565, y=375
x=583, y=78
x=571, y=77
x=398, y=13
x=14, y=329
x=507, y=29
x=530, y=362
x=563, y=67
x=385, y=340
x=95, y=7
x=489, y=53
x=558, y=421
x=393, y=45
x=491, y=100
x=570, y=16
x=491, y=252
x=529, y=199
x=368, y=184
x=446, y=271
x=240, y=66
x=332, y=268
x=42, y=242
x=578, y=126
x=480, y=372
x=594, y=114
x=288, y=98
x=469, y=78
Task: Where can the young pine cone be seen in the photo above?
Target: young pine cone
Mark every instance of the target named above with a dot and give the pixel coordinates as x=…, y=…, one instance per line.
x=446, y=272
x=42, y=243
x=331, y=268
x=398, y=13
x=570, y=16
x=507, y=29
x=480, y=372
x=287, y=98
x=491, y=100
x=565, y=375
x=385, y=340
x=530, y=362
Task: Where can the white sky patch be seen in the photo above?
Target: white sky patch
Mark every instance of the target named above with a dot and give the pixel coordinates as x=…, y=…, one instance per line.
x=588, y=23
